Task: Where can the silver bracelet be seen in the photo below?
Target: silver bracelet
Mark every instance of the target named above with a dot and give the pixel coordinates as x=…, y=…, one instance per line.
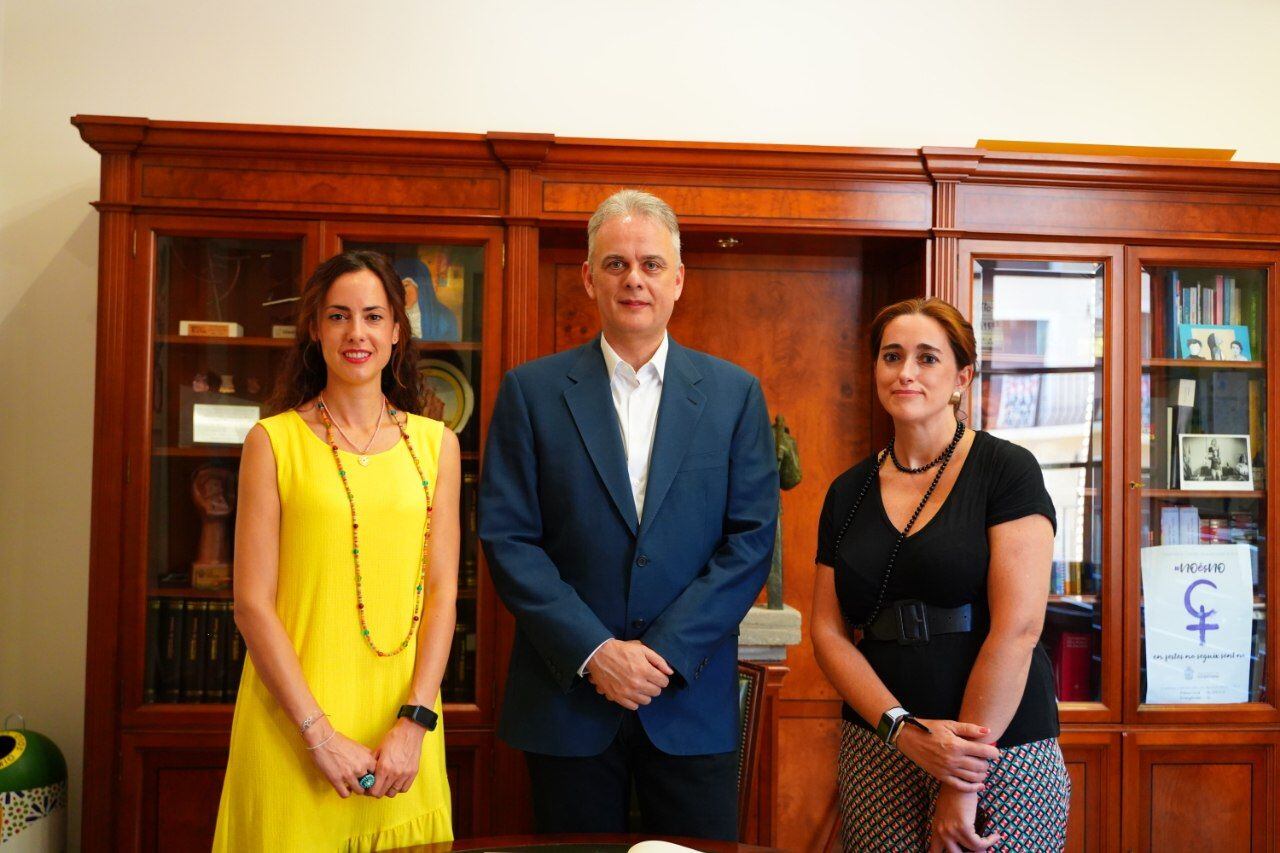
x=310, y=721
x=323, y=742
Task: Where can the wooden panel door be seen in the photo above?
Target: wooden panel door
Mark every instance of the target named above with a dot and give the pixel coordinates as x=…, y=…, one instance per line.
x=173, y=782
x=1093, y=761
x=1048, y=318
x=455, y=273
x=1198, y=370
x=1202, y=790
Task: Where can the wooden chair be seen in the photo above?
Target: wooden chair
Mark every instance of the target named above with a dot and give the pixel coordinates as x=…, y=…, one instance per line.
x=750, y=718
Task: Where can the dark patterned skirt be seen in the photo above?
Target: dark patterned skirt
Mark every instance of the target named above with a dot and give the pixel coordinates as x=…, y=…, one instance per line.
x=886, y=800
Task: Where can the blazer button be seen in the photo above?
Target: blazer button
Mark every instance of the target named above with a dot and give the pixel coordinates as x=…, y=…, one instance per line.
x=637, y=623
x=642, y=561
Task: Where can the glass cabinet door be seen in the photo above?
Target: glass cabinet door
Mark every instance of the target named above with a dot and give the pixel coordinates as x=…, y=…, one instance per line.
x=450, y=298
x=1201, y=487
x=1043, y=364
x=221, y=321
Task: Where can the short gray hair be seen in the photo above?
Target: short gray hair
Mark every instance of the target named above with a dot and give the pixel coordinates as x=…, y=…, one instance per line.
x=625, y=203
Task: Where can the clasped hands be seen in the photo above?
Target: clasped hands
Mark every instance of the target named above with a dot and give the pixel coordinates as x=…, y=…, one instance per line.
x=343, y=761
x=956, y=755
x=628, y=672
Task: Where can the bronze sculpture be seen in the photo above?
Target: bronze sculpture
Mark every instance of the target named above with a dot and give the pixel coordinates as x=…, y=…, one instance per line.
x=789, y=477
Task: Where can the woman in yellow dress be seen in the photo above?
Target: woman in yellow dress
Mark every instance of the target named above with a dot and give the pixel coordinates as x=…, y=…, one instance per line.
x=346, y=568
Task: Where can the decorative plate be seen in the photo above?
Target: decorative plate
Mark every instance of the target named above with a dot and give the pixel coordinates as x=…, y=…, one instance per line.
x=449, y=394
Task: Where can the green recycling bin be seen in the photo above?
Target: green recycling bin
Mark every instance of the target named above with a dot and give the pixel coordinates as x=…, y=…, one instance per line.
x=33, y=791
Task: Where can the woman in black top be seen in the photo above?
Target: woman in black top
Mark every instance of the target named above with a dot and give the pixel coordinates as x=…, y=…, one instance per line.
x=935, y=553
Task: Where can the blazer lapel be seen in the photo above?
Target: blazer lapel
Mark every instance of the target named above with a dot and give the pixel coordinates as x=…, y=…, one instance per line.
x=590, y=402
x=678, y=413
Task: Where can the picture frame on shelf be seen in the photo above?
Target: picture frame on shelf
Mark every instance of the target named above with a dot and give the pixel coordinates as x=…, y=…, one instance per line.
x=1214, y=343
x=1213, y=462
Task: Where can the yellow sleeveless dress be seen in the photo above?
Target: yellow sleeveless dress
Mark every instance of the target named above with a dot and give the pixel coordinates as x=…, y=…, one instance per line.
x=274, y=797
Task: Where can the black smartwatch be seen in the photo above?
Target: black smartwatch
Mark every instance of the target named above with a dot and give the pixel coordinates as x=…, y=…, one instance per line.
x=891, y=723
x=420, y=714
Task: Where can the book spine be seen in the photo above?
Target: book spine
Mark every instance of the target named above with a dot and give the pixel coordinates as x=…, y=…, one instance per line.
x=234, y=662
x=471, y=532
x=1170, y=526
x=1073, y=660
x=1189, y=525
x=172, y=619
x=149, y=686
x=193, y=650
x=215, y=662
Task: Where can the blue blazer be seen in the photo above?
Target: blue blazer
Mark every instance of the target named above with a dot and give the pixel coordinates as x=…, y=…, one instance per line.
x=575, y=566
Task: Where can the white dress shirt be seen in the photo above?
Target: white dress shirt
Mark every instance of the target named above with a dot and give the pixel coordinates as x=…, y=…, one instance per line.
x=636, y=395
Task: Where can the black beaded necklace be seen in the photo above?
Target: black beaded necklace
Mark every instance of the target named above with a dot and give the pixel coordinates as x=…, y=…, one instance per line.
x=941, y=462
x=950, y=447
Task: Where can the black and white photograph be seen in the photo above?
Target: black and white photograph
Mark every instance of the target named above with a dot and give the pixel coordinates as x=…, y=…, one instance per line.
x=1216, y=462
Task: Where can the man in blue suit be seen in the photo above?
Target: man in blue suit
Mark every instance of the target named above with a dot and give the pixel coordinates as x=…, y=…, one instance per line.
x=627, y=510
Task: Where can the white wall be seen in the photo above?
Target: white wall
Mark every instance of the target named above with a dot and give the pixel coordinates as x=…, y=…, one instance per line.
x=838, y=73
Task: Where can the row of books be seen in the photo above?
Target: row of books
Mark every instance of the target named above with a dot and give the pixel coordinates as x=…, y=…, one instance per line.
x=1221, y=303
x=459, y=684
x=1207, y=300
x=194, y=652
x=1073, y=577
x=1184, y=525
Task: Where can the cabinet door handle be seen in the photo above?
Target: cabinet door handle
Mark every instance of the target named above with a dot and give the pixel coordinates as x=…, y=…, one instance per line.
x=1137, y=484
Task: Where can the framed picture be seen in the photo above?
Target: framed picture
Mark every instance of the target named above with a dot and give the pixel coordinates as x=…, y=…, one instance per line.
x=1216, y=462
x=1214, y=343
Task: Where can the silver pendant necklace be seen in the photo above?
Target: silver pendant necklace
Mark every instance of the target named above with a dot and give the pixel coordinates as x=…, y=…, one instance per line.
x=362, y=456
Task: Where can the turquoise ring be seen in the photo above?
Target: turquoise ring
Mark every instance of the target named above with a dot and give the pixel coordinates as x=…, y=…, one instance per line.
x=367, y=780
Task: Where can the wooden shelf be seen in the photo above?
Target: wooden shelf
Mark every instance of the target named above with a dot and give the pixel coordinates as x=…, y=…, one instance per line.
x=1073, y=599
x=285, y=343
x=187, y=592
x=1203, y=364
x=456, y=346
x=221, y=452
x=202, y=341
x=1176, y=494
x=231, y=452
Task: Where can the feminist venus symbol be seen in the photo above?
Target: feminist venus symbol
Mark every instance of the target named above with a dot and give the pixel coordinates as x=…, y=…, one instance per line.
x=1203, y=615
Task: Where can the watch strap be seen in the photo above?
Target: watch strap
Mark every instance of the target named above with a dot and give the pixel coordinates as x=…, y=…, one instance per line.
x=890, y=720
x=420, y=714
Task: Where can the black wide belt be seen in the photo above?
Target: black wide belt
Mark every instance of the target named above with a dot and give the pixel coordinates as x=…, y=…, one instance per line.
x=911, y=622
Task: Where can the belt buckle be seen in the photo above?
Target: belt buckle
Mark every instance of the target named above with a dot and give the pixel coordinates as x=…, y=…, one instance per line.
x=913, y=622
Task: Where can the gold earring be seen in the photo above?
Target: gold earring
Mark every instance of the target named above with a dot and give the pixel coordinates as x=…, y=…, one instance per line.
x=955, y=397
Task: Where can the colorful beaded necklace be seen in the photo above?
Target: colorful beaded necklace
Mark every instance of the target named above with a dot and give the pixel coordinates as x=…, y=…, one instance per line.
x=355, y=531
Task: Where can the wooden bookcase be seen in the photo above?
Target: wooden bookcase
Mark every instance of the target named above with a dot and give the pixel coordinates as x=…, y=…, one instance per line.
x=790, y=251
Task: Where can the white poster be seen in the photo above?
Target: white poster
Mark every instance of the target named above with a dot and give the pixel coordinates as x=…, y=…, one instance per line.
x=1198, y=615
x=214, y=424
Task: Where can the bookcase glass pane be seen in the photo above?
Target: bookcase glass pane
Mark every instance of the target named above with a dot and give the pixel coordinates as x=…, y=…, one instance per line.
x=1039, y=384
x=1203, y=462
x=247, y=283
x=224, y=313
x=444, y=286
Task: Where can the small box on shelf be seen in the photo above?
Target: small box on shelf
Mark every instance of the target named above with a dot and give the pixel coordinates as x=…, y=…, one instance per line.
x=210, y=329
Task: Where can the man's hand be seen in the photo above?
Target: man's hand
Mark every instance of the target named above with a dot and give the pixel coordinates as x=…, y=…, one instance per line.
x=629, y=673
